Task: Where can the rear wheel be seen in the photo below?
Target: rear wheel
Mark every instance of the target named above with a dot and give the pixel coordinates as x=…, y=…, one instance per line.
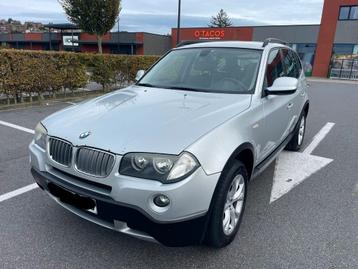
x=228, y=206
x=299, y=135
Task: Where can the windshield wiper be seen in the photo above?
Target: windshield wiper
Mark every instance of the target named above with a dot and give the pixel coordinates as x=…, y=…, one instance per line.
x=147, y=85
x=172, y=88
x=186, y=89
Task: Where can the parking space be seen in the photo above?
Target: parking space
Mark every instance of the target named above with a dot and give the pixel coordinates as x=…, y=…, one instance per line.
x=313, y=225
x=29, y=117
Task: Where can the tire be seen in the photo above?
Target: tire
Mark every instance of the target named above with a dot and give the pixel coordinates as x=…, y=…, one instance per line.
x=298, y=137
x=220, y=235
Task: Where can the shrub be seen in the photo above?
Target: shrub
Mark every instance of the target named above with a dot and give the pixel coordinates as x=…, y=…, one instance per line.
x=43, y=76
x=103, y=72
x=46, y=73
x=4, y=70
x=72, y=74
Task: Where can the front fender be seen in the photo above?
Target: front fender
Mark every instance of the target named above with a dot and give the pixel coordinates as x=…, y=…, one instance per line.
x=214, y=149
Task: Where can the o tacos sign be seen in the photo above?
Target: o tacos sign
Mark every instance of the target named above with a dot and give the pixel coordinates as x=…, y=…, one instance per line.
x=209, y=34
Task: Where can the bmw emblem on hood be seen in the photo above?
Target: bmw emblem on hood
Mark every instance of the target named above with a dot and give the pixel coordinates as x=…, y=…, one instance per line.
x=85, y=135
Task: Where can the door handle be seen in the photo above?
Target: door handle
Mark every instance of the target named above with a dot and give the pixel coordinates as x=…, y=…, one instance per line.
x=290, y=106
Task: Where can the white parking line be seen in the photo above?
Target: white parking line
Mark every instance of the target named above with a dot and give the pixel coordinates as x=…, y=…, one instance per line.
x=293, y=168
x=25, y=189
x=8, y=124
x=17, y=192
x=319, y=137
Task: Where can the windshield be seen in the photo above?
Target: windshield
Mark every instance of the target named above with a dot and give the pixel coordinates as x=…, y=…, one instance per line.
x=223, y=70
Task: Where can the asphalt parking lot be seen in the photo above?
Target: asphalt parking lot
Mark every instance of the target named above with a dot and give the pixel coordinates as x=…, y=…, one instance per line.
x=313, y=225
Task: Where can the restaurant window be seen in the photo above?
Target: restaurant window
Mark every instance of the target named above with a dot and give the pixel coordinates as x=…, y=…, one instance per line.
x=355, y=50
x=306, y=52
x=353, y=15
x=343, y=49
x=344, y=13
x=348, y=13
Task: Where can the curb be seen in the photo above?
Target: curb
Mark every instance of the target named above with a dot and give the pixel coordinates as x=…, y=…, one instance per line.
x=329, y=80
x=46, y=103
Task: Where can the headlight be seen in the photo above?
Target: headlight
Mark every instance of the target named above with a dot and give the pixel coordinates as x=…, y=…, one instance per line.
x=162, y=167
x=40, y=136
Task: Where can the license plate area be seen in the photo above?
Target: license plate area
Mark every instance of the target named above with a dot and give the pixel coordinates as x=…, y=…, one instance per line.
x=73, y=199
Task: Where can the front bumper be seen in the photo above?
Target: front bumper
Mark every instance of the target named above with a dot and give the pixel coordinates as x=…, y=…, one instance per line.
x=125, y=219
x=125, y=204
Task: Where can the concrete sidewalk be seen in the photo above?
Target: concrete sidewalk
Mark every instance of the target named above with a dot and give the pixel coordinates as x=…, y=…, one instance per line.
x=329, y=80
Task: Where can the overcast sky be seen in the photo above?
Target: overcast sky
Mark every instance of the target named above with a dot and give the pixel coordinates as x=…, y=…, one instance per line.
x=159, y=16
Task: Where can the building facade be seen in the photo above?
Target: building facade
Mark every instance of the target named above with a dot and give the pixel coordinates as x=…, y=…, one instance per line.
x=326, y=49
x=67, y=37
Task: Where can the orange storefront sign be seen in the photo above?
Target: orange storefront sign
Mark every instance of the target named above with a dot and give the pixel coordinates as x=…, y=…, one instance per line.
x=209, y=34
x=229, y=33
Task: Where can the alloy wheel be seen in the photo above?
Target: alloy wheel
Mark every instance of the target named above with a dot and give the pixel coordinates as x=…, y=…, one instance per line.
x=234, y=205
x=301, y=131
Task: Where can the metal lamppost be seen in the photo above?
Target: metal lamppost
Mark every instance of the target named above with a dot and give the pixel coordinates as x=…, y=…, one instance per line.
x=118, y=38
x=49, y=36
x=179, y=17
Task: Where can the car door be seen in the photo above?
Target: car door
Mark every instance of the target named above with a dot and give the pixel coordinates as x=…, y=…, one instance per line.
x=294, y=70
x=277, y=108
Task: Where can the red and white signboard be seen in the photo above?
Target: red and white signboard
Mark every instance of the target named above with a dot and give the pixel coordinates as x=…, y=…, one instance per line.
x=210, y=34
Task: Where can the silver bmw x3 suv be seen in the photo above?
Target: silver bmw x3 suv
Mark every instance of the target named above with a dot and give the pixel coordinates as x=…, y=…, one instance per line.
x=169, y=158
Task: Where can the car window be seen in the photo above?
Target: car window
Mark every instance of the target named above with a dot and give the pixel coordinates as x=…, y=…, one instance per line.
x=290, y=64
x=275, y=68
x=172, y=68
x=226, y=70
x=298, y=62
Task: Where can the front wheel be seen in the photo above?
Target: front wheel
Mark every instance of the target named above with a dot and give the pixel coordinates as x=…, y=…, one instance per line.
x=228, y=206
x=297, y=140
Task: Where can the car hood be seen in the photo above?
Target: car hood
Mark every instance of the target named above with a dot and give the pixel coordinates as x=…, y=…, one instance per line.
x=140, y=119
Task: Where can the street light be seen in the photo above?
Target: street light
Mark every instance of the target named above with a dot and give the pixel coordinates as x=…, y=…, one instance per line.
x=49, y=36
x=118, y=38
x=178, y=28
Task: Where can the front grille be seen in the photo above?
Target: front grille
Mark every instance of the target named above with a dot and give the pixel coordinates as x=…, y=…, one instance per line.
x=60, y=151
x=94, y=162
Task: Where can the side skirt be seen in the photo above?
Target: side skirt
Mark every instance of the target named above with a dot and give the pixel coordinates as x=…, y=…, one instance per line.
x=266, y=163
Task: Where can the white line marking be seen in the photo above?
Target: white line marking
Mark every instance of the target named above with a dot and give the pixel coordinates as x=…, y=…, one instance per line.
x=319, y=138
x=292, y=168
x=25, y=189
x=71, y=103
x=18, y=192
x=26, y=130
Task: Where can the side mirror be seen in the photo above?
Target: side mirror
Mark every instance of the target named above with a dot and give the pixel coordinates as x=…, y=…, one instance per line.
x=283, y=86
x=139, y=75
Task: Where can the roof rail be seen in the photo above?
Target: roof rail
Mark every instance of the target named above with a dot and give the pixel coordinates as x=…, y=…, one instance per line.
x=186, y=43
x=273, y=40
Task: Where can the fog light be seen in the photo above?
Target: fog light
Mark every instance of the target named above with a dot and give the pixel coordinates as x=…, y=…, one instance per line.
x=161, y=200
